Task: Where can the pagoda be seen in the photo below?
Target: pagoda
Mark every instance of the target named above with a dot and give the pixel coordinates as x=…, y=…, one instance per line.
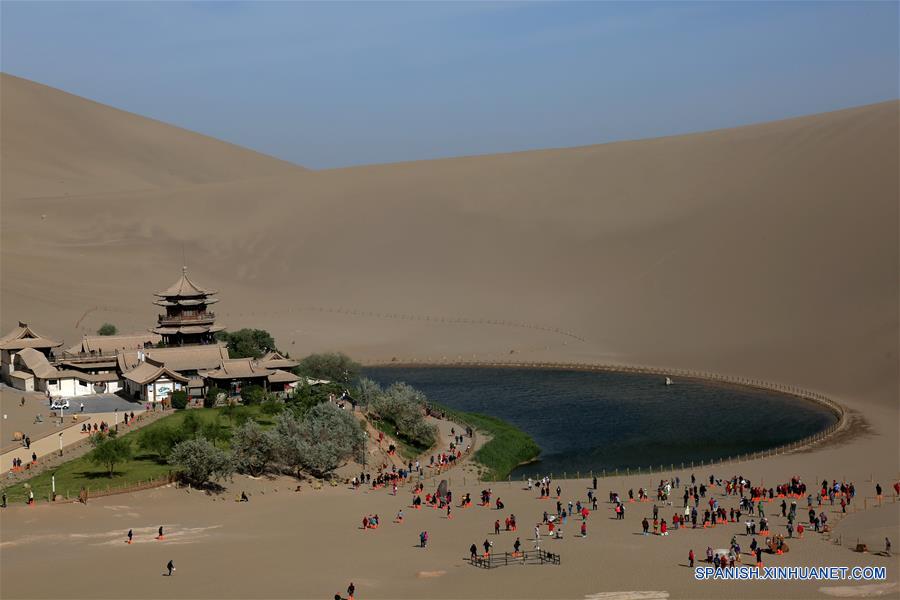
x=187, y=320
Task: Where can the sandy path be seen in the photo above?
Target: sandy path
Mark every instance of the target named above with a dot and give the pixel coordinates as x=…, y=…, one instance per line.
x=315, y=537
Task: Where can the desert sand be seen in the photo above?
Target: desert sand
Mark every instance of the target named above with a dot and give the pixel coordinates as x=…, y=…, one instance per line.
x=767, y=251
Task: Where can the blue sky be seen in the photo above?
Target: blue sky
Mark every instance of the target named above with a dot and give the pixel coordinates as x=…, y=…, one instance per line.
x=337, y=84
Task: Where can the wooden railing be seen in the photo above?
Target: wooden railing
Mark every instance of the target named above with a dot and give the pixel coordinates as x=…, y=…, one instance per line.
x=527, y=557
x=198, y=317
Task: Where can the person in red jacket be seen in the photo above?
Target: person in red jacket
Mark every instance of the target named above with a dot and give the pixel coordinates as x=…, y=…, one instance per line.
x=691, y=557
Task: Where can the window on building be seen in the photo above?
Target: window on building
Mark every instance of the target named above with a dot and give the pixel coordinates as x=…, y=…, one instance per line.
x=52, y=382
x=82, y=383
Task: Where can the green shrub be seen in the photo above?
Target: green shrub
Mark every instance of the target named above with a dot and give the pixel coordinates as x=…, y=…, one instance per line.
x=107, y=329
x=252, y=394
x=191, y=425
x=212, y=395
x=160, y=440
x=271, y=407
x=179, y=399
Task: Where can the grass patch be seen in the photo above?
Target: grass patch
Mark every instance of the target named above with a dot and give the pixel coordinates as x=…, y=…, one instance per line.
x=508, y=448
x=71, y=476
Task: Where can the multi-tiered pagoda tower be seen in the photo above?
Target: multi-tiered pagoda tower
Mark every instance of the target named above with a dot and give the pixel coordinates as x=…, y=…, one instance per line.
x=187, y=320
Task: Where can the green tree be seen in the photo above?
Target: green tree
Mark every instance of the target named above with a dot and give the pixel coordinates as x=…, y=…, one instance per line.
x=289, y=441
x=211, y=397
x=107, y=329
x=272, y=407
x=404, y=408
x=238, y=415
x=330, y=436
x=199, y=461
x=215, y=431
x=306, y=396
x=247, y=343
x=191, y=424
x=367, y=390
x=110, y=451
x=253, y=448
x=252, y=394
x=333, y=366
x=320, y=442
x=160, y=440
x=179, y=399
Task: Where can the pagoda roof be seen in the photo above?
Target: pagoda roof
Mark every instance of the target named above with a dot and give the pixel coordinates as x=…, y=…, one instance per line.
x=37, y=363
x=148, y=372
x=190, y=358
x=279, y=376
x=178, y=358
x=238, y=368
x=176, y=301
x=184, y=287
x=276, y=360
x=173, y=329
x=24, y=336
x=109, y=344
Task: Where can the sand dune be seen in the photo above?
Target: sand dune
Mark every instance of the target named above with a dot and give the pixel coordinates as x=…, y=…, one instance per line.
x=58, y=144
x=767, y=251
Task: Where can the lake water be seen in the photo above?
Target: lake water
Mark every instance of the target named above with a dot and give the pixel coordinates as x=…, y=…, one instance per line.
x=591, y=420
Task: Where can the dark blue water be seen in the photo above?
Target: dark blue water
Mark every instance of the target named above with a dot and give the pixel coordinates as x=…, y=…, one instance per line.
x=593, y=421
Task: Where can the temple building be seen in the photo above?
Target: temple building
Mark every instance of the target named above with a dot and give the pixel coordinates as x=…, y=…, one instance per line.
x=187, y=320
x=180, y=353
x=17, y=340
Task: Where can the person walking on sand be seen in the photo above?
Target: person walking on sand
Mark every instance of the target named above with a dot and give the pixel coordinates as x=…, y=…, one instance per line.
x=473, y=552
x=160, y=536
x=691, y=558
x=351, y=589
x=130, y=536
x=516, y=545
x=171, y=567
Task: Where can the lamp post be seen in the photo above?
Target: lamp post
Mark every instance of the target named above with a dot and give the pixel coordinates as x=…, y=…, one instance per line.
x=365, y=449
x=116, y=412
x=60, y=443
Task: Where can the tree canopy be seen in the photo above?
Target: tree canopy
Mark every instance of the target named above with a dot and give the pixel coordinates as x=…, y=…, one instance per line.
x=318, y=442
x=110, y=451
x=253, y=448
x=160, y=440
x=333, y=366
x=247, y=343
x=404, y=407
x=199, y=461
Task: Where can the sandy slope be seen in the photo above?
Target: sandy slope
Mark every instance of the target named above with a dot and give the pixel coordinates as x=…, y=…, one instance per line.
x=768, y=251
x=54, y=144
